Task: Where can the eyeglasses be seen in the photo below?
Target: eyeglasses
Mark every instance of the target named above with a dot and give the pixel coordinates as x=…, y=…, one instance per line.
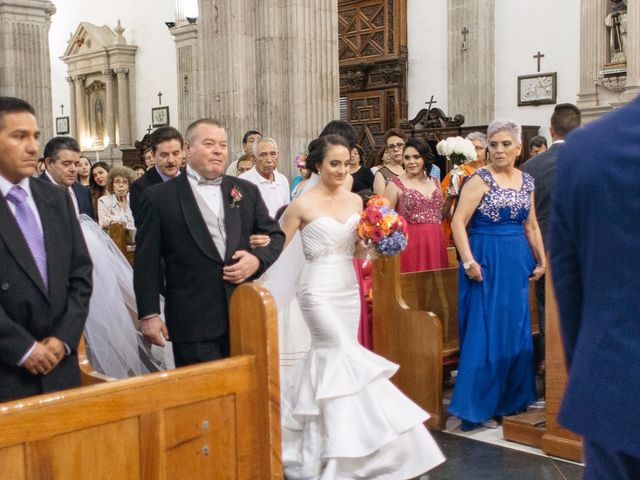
x=393, y=146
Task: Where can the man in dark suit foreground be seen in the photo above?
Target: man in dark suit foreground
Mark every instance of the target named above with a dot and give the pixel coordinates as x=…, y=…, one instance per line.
x=166, y=146
x=62, y=160
x=565, y=118
x=45, y=273
x=595, y=255
x=199, y=225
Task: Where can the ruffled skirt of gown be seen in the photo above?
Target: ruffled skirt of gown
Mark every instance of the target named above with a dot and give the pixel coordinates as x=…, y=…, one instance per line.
x=341, y=416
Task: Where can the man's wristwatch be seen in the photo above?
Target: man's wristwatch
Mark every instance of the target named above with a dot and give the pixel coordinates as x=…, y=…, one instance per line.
x=467, y=265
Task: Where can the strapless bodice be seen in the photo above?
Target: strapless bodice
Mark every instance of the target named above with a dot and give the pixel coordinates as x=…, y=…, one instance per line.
x=327, y=238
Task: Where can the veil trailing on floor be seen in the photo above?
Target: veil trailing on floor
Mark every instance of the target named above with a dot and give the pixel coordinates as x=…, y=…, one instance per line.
x=282, y=280
x=115, y=345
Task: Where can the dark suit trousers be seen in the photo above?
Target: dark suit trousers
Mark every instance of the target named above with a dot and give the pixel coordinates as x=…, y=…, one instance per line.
x=190, y=353
x=603, y=464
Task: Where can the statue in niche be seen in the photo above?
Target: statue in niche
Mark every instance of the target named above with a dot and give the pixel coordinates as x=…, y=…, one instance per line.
x=98, y=112
x=616, y=22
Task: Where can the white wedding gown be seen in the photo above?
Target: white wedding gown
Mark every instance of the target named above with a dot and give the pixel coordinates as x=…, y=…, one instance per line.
x=341, y=416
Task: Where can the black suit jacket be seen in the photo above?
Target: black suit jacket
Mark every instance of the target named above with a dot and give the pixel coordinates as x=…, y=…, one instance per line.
x=542, y=168
x=28, y=310
x=83, y=197
x=174, y=231
x=151, y=177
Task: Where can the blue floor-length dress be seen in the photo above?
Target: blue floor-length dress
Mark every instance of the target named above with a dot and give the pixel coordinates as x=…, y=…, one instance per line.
x=496, y=375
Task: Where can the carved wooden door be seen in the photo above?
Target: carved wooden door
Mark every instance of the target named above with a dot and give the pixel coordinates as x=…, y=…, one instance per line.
x=373, y=62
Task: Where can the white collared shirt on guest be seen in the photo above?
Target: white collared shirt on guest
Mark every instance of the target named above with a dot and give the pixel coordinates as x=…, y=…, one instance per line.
x=274, y=193
x=72, y=194
x=211, y=194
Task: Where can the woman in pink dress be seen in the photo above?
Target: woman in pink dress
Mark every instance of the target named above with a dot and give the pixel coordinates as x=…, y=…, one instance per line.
x=418, y=198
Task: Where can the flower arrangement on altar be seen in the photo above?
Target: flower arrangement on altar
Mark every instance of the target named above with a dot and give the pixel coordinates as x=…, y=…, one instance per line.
x=381, y=226
x=460, y=151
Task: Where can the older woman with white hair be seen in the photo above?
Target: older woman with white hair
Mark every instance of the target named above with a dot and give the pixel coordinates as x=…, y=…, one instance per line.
x=497, y=236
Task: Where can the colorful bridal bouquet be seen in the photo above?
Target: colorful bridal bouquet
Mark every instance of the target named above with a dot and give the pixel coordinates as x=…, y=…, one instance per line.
x=300, y=160
x=381, y=226
x=459, y=151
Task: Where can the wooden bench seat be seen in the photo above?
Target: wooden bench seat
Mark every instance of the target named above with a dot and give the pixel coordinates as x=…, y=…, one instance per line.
x=415, y=324
x=214, y=420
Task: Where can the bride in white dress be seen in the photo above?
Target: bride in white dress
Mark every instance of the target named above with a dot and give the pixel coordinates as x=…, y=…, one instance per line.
x=341, y=416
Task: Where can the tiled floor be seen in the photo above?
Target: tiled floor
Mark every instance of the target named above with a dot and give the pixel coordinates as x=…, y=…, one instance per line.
x=469, y=459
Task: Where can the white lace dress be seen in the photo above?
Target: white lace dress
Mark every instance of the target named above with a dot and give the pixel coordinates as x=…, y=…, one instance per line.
x=341, y=416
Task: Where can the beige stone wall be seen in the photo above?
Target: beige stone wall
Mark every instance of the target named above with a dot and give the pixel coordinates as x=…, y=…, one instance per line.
x=25, y=69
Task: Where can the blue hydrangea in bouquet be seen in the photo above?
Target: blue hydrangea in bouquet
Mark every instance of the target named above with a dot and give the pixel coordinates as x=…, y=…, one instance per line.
x=382, y=227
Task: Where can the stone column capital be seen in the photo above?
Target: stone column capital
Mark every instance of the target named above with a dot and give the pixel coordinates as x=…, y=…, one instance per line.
x=69, y=79
x=121, y=72
x=80, y=79
x=108, y=72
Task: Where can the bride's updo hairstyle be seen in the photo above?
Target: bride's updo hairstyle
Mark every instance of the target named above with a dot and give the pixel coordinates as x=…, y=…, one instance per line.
x=318, y=149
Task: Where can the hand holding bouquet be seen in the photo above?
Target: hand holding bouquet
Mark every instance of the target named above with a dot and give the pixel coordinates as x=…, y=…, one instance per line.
x=381, y=228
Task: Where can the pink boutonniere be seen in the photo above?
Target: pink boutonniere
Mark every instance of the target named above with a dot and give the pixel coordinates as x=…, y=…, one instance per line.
x=236, y=196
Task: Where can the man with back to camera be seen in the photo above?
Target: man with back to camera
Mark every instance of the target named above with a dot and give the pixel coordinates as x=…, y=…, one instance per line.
x=166, y=144
x=565, y=118
x=45, y=279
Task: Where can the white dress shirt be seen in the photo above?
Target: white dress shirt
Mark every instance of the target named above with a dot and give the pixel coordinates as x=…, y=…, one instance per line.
x=275, y=193
x=212, y=194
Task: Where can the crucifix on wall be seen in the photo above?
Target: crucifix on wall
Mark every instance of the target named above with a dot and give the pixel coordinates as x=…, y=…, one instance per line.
x=464, y=32
x=160, y=97
x=538, y=56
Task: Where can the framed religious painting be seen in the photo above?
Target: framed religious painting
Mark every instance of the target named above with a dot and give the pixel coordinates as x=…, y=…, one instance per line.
x=62, y=125
x=160, y=117
x=537, y=89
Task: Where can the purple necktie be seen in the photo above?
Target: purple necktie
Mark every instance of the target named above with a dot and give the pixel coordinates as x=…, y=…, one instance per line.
x=30, y=229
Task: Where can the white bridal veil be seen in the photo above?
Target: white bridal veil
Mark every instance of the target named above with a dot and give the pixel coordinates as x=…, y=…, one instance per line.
x=282, y=280
x=114, y=345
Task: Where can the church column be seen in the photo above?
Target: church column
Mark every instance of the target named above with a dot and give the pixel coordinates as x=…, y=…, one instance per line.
x=81, y=110
x=73, y=115
x=312, y=83
x=592, y=49
x=632, y=52
x=271, y=69
x=110, y=106
x=25, y=66
x=226, y=50
x=185, y=36
x=123, y=107
x=471, y=70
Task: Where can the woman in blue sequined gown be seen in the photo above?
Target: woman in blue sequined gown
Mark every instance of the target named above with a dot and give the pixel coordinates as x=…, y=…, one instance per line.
x=341, y=416
x=497, y=236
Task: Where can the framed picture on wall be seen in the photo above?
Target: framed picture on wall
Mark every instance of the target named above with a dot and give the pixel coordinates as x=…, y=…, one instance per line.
x=160, y=117
x=538, y=89
x=62, y=125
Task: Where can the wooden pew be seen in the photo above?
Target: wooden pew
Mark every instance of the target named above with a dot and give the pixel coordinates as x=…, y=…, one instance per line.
x=215, y=420
x=118, y=233
x=415, y=324
x=556, y=440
